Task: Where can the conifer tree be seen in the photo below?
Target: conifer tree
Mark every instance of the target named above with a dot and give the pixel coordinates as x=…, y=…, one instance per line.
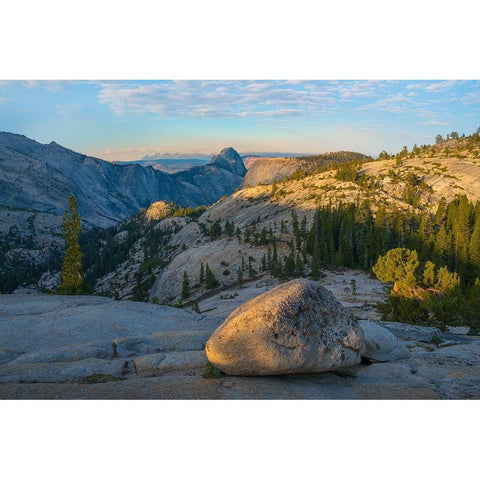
x=72, y=270
x=288, y=269
x=239, y=276
x=429, y=274
x=269, y=258
x=251, y=271
x=474, y=245
x=185, y=286
x=298, y=266
x=398, y=266
x=202, y=275
x=210, y=280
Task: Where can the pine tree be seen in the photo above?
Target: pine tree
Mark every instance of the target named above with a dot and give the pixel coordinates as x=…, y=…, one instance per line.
x=185, y=286
x=229, y=228
x=201, y=280
x=447, y=281
x=72, y=270
x=314, y=268
x=474, y=245
x=210, y=280
x=398, y=266
x=299, y=272
x=239, y=276
x=269, y=258
x=288, y=269
x=264, y=263
x=429, y=274
x=251, y=271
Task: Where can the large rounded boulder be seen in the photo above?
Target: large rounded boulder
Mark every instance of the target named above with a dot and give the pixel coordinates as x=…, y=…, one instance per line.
x=298, y=327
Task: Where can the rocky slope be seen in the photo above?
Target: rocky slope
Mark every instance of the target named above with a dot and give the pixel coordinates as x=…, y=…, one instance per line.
x=259, y=207
x=36, y=180
x=41, y=177
x=266, y=170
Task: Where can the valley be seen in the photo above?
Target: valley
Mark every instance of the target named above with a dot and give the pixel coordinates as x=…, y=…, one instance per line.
x=266, y=214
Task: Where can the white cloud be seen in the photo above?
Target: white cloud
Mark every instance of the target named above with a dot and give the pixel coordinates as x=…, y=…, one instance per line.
x=472, y=97
x=415, y=86
x=435, y=123
x=53, y=86
x=440, y=86
x=261, y=99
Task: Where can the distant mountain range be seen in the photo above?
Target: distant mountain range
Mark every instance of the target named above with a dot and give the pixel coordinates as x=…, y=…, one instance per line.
x=168, y=165
x=40, y=177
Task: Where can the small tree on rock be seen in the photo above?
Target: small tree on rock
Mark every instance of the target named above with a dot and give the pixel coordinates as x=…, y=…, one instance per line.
x=185, y=286
x=72, y=270
x=210, y=280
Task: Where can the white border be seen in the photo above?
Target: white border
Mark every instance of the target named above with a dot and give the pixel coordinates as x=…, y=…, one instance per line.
x=241, y=40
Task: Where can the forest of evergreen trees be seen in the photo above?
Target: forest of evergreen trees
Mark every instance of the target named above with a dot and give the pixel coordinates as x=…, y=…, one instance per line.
x=352, y=235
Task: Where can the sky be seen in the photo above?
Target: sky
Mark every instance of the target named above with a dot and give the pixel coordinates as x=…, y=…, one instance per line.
x=131, y=120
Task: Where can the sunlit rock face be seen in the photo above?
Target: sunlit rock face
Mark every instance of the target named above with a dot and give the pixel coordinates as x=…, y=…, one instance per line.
x=298, y=327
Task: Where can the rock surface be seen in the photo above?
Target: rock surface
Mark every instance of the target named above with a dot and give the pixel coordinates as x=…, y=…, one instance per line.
x=415, y=333
x=71, y=353
x=8, y=354
x=48, y=326
x=161, y=342
x=297, y=327
x=62, y=371
x=158, y=363
x=52, y=339
x=381, y=345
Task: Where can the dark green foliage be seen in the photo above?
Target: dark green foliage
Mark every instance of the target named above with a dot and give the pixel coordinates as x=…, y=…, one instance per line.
x=313, y=164
x=351, y=235
x=142, y=288
x=239, y=276
x=288, y=269
x=229, y=228
x=185, y=286
x=210, y=280
x=434, y=298
x=263, y=267
x=211, y=371
x=72, y=271
x=398, y=266
x=251, y=270
x=348, y=171
x=215, y=230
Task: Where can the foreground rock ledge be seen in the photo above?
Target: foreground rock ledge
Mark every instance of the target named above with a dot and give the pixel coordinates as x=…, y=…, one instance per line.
x=298, y=327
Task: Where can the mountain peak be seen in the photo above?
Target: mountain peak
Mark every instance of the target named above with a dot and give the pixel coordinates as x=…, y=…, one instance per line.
x=229, y=159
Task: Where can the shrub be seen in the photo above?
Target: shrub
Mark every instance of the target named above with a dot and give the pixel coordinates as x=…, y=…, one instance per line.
x=211, y=371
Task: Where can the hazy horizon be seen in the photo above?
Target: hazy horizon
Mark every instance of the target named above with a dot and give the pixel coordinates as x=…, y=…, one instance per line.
x=133, y=120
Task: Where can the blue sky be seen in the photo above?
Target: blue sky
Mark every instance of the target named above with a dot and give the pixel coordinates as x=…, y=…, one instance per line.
x=127, y=120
